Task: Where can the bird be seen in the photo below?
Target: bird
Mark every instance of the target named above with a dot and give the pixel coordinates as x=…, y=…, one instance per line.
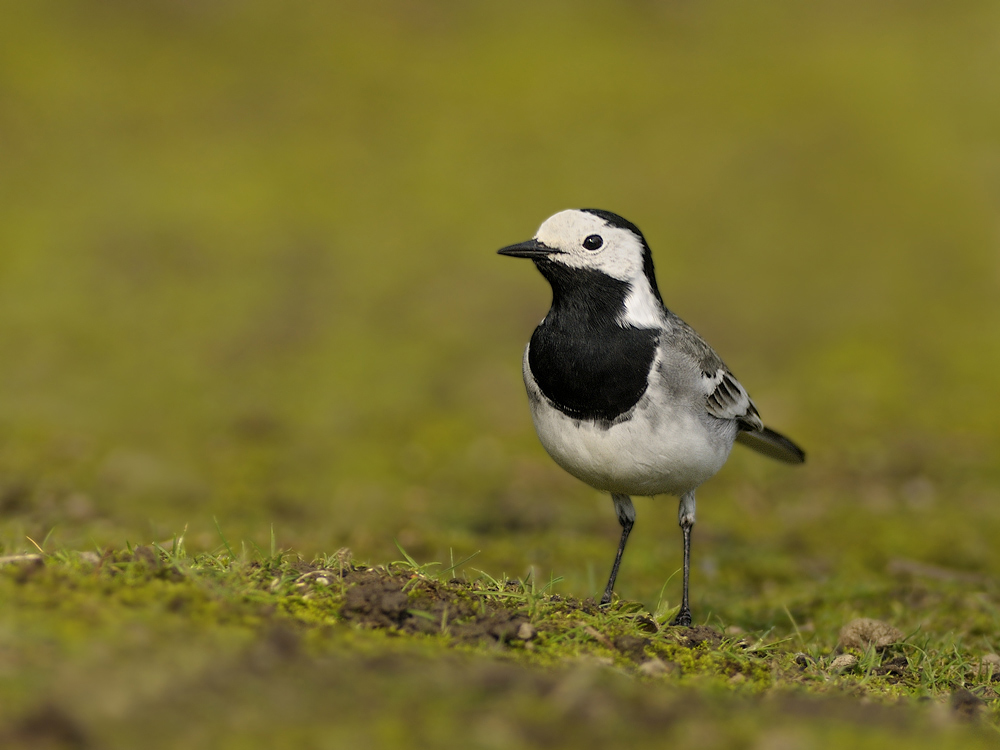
x=624, y=395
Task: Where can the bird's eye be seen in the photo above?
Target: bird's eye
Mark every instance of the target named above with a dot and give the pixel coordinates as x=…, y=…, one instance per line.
x=593, y=242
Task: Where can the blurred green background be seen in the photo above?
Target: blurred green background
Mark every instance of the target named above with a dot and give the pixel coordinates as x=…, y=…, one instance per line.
x=247, y=271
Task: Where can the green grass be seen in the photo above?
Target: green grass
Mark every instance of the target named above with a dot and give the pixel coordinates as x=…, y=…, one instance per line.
x=262, y=642
x=248, y=288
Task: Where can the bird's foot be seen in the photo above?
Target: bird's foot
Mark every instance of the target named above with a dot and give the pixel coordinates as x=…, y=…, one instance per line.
x=606, y=599
x=683, y=619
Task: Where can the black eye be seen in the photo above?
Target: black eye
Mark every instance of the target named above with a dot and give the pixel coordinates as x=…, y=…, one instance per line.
x=593, y=242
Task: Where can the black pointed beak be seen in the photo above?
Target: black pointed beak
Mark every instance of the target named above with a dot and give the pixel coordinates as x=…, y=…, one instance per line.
x=530, y=249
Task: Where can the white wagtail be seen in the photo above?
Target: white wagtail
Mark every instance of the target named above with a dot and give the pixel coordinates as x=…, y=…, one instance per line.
x=624, y=394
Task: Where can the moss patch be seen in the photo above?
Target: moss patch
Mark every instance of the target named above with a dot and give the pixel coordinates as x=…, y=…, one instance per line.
x=266, y=642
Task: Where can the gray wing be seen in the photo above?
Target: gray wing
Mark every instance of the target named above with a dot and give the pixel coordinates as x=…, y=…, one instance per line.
x=725, y=398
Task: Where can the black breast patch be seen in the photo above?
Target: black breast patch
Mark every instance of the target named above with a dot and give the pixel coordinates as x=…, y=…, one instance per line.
x=592, y=373
x=584, y=362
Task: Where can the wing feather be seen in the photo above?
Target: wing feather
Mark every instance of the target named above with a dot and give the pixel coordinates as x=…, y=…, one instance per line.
x=772, y=444
x=727, y=399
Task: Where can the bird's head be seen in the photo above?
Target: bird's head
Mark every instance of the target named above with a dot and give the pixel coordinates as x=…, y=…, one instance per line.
x=589, y=240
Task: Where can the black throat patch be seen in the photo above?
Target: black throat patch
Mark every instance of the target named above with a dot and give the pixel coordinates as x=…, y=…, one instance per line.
x=584, y=362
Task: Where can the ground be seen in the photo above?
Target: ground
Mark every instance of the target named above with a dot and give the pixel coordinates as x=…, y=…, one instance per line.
x=328, y=651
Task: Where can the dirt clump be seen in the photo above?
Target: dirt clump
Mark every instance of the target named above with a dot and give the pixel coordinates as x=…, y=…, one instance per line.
x=413, y=604
x=48, y=726
x=865, y=632
x=696, y=635
x=632, y=647
x=468, y=612
x=376, y=602
x=892, y=669
x=966, y=704
x=501, y=625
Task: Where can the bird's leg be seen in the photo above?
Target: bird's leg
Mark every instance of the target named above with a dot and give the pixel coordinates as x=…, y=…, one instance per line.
x=626, y=517
x=685, y=517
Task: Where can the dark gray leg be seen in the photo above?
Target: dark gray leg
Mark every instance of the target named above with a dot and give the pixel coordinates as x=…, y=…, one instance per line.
x=685, y=517
x=626, y=517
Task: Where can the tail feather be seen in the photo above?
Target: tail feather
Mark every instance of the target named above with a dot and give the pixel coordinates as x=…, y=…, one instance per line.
x=772, y=444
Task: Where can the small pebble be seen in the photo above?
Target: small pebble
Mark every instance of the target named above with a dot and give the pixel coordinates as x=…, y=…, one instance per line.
x=653, y=668
x=29, y=558
x=844, y=662
x=526, y=631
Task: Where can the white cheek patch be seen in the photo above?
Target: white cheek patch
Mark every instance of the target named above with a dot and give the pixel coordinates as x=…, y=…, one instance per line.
x=642, y=308
x=610, y=260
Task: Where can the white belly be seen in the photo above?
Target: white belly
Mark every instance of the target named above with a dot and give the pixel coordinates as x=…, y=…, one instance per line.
x=662, y=449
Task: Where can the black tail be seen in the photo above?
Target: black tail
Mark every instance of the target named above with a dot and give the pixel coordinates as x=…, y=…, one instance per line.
x=772, y=444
